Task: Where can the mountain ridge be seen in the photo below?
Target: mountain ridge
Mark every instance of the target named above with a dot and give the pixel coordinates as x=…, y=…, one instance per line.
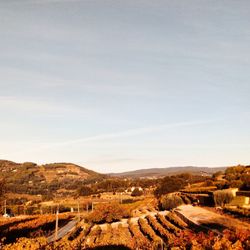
x=160, y=172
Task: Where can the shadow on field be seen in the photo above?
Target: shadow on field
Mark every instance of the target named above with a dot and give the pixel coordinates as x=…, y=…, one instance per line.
x=214, y=226
x=14, y=223
x=110, y=247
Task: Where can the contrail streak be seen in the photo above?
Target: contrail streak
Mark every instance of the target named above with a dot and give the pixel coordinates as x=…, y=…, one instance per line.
x=126, y=133
x=132, y=132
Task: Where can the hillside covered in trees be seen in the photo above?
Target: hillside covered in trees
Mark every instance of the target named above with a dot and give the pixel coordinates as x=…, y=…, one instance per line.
x=30, y=178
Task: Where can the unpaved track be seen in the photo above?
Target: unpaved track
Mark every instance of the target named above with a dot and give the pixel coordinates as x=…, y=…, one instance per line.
x=63, y=231
x=203, y=217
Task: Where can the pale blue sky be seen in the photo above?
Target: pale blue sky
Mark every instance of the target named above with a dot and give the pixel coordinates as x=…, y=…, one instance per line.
x=120, y=85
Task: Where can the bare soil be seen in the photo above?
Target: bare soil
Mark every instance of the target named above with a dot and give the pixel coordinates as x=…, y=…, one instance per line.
x=204, y=217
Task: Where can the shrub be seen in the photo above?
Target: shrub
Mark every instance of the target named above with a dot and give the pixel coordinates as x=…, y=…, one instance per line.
x=167, y=224
x=176, y=220
x=222, y=197
x=147, y=230
x=28, y=165
x=170, y=201
x=141, y=241
x=159, y=229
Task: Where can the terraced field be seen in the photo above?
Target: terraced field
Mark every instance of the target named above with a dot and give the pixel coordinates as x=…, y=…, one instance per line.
x=30, y=226
x=155, y=230
x=149, y=231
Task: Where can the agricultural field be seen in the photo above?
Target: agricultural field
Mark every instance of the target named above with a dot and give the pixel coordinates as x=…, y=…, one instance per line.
x=112, y=214
x=30, y=226
x=151, y=230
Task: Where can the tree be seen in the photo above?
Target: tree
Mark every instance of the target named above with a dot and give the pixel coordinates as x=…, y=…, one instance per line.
x=217, y=174
x=169, y=184
x=2, y=188
x=137, y=192
x=107, y=213
x=236, y=184
x=246, y=181
x=208, y=183
x=85, y=191
x=170, y=201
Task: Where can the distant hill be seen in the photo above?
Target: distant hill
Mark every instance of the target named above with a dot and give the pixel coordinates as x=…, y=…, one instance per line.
x=160, y=172
x=30, y=178
x=61, y=179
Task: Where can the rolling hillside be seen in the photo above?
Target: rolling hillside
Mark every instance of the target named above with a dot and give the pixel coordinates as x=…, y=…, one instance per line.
x=30, y=178
x=65, y=178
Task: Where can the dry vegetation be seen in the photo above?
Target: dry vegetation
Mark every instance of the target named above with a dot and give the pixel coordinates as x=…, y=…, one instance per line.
x=151, y=232
x=136, y=224
x=29, y=226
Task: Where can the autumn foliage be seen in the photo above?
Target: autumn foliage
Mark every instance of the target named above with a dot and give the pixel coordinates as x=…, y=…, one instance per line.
x=108, y=212
x=160, y=231
x=33, y=226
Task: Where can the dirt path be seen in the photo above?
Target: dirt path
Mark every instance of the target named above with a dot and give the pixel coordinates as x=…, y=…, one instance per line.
x=203, y=217
x=63, y=231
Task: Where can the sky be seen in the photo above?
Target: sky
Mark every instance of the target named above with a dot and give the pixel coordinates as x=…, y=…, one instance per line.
x=117, y=85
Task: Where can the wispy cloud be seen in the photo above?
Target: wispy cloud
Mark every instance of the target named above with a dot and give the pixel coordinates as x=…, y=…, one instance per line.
x=33, y=105
x=133, y=132
x=39, y=147
x=40, y=1
x=121, y=134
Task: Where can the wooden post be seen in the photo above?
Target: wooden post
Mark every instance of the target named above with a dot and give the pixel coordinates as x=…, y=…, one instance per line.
x=162, y=246
x=56, y=230
x=78, y=210
x=5, y=208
